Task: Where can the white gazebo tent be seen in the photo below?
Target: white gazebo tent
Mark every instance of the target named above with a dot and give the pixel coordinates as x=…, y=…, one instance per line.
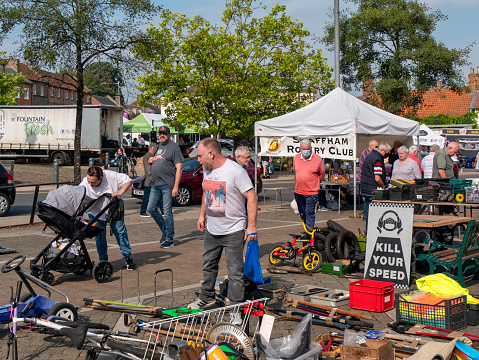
x=339, y=126
x=428, y=137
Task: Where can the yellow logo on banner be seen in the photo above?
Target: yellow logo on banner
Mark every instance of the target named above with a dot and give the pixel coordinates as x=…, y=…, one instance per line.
x=273, y=145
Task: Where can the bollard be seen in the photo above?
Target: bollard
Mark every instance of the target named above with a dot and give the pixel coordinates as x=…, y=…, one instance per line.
x=56, y=171
x=90, y=162
x=107, y=160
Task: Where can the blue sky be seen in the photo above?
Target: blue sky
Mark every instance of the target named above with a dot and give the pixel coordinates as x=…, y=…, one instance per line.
x=458, y=31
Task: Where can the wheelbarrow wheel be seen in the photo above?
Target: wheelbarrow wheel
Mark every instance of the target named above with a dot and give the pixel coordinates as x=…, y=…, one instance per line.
x=64, y=310
x=346, y=242
x=102, y=272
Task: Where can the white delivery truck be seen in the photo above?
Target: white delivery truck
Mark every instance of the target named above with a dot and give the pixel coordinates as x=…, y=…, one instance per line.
x=49, y=131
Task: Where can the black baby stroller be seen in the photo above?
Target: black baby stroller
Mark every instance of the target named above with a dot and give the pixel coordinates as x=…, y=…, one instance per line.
x=62, y=211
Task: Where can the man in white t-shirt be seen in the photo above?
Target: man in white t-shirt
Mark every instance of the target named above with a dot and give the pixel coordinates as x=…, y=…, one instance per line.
x=225, y=186
x=98, y=182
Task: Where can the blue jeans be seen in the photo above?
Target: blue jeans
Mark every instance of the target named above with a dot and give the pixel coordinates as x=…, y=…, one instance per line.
x=233, y=245
x=307, y=206
x=162, y=194
x=367, y=200
x=146, y=197
x=119, y=230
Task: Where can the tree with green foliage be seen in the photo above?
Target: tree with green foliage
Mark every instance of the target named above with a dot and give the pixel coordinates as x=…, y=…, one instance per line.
x=8, y=84
x=444, y=119
x=391, y=43
x=223, y=78
x=73, y=33
x=103, y=79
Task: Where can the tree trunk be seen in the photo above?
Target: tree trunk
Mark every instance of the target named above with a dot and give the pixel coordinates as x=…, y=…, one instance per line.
x=78, y=123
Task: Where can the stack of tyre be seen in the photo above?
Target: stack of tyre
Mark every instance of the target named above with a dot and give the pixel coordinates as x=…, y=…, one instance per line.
x=336, y=242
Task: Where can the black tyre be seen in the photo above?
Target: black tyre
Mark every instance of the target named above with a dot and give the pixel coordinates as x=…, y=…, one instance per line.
x=312, y=261
x=81, y=270
x=333, y=225
x=5, y=204
x=48, y=278
x=184, y=196
x=346, y=242
x=331, y=246
x=60, y=157
x=133, y=350
x=274, y=260
x=319, y=241
x=102, y=272
x=64, y=310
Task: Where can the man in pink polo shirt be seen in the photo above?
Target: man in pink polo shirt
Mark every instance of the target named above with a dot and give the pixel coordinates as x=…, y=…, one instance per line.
x=309, y=169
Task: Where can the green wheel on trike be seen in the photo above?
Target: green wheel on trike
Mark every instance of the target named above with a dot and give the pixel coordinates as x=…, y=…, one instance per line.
x=312, y=261
x=274, y=259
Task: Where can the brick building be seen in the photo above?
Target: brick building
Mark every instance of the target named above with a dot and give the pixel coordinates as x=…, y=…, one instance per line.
x=45, y=88
x=134, y=109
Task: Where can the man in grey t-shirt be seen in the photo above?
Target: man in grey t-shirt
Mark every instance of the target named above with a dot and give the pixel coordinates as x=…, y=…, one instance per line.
x=166, y=171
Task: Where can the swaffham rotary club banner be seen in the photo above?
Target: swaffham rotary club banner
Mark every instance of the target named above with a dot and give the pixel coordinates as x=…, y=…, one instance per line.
x=331, y=147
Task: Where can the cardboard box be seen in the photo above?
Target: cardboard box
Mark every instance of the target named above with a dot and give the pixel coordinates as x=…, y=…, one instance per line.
x=374, y=350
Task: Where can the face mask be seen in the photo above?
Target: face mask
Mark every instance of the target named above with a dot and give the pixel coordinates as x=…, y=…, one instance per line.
x=376, y=149
x=306, y=153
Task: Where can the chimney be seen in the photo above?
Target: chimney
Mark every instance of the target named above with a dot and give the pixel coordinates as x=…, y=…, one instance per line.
x=439, y=85
x=473, y=79
x=118, y=99
x=368, y=85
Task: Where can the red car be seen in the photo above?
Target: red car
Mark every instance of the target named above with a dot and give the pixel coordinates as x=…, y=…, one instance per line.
x=190, y=183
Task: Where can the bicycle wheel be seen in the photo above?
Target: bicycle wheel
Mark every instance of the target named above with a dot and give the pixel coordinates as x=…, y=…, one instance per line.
x=274, y=259
x=312, y=261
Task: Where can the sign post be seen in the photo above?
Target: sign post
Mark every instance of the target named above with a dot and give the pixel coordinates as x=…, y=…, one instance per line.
x=388, y=248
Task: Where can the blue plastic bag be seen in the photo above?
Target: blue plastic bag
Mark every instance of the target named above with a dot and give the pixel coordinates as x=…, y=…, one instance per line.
x=252, y=267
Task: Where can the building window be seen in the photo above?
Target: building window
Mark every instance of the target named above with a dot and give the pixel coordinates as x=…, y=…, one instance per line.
x=18, y=93
x=59, y=93
x=66, y=94
x=34, y=89
x=42, y=90
x=26, y=93
x=51, y=92
x=76, y=96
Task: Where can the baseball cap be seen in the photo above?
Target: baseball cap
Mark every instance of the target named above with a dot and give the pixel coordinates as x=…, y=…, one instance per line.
x=164, y=129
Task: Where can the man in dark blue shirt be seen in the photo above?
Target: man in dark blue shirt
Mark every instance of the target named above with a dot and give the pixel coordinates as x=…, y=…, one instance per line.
x=373, y=175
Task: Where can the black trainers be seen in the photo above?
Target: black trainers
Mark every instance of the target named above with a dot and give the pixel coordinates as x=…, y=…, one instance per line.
x=167, y=244
x=163, y=239
x=130, y=265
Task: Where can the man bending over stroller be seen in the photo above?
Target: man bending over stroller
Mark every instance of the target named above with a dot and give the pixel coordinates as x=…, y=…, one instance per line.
x=98, y=182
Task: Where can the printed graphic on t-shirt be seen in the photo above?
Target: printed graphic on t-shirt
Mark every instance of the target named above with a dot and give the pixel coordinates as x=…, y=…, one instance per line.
x=215, y=198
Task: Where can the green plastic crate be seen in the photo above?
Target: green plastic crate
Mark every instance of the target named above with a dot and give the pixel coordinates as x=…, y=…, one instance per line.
x=381, y=194
x=334, y=268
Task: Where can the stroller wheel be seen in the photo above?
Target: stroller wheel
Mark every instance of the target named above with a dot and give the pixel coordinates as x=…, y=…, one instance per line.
x=102, y=272
x=48, y=278
x=35, y=272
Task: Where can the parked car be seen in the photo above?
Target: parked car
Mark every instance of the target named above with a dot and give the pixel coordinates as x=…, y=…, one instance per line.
x=226, y=148
x=190, y=184
x=7, y=195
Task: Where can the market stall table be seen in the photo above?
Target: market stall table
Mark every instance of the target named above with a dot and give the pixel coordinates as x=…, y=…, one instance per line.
x=425, y=205
x=338, y=185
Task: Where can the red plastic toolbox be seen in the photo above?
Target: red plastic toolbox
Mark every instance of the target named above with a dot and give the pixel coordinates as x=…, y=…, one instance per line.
x=371, y=295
